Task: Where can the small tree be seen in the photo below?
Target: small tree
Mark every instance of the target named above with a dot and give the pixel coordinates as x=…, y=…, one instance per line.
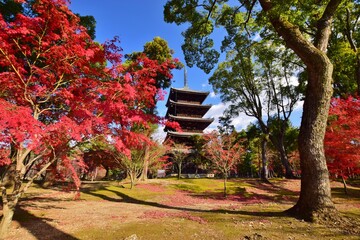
x=223, y=153
x=342, y=139
x=178, y=153
x=133, y=164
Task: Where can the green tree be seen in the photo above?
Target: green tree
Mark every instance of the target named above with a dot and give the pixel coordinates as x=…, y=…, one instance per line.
x=157, y=49
x=89, y=23
x=9, y=9
x=287, y=22
x=344, y=49
x=257, y=81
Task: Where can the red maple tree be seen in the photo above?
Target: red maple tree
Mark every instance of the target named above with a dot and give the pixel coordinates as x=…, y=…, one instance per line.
x=58, y=88
x=223, y=152
x=342, y=139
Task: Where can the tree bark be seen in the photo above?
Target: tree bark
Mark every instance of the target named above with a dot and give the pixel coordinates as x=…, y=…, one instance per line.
x=9, y=203
x=225, y=181
x=280, y=146
x=132, y=178
x=344, y=183
x=144, y=174
x=285, y=161
x=315, y=195
x=264, y=170
x=179, y=170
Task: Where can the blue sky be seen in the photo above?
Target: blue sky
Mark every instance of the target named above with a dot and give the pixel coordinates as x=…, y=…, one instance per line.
x=139, y=21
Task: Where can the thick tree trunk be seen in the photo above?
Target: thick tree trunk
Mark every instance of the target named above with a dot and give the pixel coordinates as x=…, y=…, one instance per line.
x=8, y=213
x=315, y=196
x=9, y=203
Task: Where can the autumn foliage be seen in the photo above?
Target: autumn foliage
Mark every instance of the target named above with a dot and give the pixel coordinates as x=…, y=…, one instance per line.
x=342, y=140
x=223, y=153
x=60, y=89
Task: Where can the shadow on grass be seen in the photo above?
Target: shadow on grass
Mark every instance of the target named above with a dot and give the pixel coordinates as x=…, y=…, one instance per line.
x=351, y=193
x=39, y=227
x=127, y=199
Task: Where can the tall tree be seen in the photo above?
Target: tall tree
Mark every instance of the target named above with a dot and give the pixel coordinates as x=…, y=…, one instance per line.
x=290, y=22
x=257, y=81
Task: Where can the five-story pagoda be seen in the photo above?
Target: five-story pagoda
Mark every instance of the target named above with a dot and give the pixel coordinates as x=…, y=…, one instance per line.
x=186, y=107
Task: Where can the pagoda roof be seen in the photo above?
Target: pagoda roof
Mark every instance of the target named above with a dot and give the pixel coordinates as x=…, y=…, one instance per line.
x=183, y=134
x=184, y=107
x=188, y=104
x=192, y=119
x=188, y=90
x=201, y=95
x=190, y=124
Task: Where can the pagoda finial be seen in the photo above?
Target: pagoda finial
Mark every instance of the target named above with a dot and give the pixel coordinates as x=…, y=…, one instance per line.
x=185, y=78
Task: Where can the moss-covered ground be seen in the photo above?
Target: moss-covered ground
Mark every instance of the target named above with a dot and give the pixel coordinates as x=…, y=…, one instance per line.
x=179, y=209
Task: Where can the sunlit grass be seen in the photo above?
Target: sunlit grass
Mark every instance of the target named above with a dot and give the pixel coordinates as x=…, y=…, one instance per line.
x=225, y=219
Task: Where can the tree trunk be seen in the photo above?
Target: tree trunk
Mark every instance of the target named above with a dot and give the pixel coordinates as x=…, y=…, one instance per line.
x=315, y=196
x=285, y=162
x=132, y=179
x=264, y=170
x=225, y=181
x=8, y=213
x=345, y=186
x=144, y=174
x=179, y=170
x=107, y=173
x=9, y=203
x=280, y=146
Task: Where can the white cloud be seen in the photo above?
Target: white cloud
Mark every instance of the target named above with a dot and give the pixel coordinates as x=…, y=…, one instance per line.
x=216, y=111
x=299, y=105
x=213, y=95
x=159, y=135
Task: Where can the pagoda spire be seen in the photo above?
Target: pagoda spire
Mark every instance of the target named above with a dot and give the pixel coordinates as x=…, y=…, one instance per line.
x=186, y=86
